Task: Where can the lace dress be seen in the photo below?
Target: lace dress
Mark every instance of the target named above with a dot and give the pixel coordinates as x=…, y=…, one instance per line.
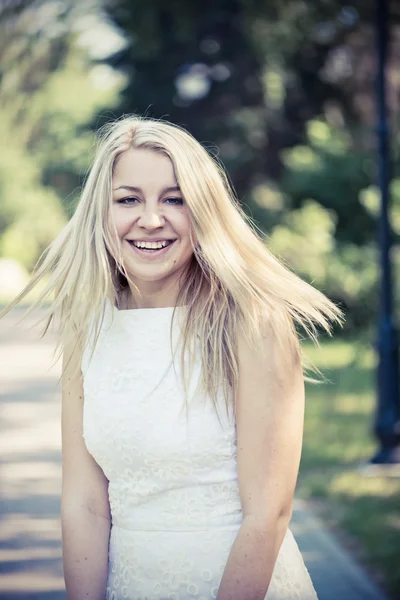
x=173, y=487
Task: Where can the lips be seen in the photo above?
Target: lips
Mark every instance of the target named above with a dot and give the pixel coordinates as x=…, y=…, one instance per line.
x=151, y=252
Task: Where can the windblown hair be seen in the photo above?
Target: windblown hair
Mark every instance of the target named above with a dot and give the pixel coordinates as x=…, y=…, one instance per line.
x=233, y=284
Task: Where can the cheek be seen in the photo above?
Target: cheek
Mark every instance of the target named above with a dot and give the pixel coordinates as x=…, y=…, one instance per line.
x=118, y=223
x=184, y=226
x=116, y=234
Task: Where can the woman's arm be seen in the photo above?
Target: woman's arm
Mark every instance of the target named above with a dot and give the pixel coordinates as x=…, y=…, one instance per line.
x=85, y=514
x=269, y=422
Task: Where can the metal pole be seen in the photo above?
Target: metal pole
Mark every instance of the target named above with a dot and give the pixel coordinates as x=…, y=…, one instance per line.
x=387, y=422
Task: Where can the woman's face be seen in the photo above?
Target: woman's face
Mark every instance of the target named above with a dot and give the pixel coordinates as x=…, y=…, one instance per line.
x=151, y=218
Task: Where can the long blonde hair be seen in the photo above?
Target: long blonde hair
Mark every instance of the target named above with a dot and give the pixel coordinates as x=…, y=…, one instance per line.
x=233, y=282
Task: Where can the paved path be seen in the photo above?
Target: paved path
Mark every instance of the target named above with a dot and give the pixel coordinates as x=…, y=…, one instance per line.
x=30, y=463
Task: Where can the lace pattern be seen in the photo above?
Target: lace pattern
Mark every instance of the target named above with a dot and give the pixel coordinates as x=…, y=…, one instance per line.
x=173, y=485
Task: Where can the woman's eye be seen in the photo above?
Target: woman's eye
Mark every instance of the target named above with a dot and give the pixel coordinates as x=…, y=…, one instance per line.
x=134, y=200
x=130, y=200
x=174, y=200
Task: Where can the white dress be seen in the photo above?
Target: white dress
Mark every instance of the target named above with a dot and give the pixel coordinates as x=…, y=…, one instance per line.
x=173, y=487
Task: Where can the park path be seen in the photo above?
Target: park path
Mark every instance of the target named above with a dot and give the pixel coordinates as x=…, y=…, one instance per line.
x=30, y=483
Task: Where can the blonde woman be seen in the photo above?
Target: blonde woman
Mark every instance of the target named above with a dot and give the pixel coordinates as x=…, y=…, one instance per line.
x=182, y=381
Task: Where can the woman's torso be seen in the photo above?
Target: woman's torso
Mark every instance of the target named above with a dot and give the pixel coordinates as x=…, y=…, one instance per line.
x=173, y=485
x=164, y=470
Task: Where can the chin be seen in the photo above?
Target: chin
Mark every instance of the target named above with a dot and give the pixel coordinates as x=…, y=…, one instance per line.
x=138, y=275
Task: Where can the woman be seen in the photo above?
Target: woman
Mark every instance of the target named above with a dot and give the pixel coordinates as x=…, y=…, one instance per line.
x=169, y=299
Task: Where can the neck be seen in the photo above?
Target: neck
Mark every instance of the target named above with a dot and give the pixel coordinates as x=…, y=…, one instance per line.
x=154, y=300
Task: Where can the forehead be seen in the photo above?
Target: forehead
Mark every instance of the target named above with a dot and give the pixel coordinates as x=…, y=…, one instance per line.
x=143, y=168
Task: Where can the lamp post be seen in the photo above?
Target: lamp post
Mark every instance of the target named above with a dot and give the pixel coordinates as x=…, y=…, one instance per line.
x=387, y=421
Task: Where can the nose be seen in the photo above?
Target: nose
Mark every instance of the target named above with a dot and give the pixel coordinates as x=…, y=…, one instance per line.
x=151, y=218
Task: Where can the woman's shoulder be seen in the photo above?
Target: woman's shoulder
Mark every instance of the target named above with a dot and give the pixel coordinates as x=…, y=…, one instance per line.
x=273, y=344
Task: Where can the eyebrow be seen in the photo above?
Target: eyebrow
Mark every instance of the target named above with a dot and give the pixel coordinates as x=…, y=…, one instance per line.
x=130, y=188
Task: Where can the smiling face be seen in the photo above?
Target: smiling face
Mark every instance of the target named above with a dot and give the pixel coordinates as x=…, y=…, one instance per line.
x=152, y=223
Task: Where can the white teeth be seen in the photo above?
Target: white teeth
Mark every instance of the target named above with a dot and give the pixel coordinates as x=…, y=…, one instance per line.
x=150, y=245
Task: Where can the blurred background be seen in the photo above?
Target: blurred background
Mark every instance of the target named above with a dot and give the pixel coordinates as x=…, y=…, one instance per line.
x=284, y=93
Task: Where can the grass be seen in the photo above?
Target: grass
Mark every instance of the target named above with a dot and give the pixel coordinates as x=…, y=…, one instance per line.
x=364, y=512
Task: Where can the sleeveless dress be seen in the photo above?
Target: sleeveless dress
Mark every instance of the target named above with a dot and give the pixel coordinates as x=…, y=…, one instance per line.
x=173, y=486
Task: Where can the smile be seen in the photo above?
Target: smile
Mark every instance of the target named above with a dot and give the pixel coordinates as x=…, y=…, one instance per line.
x=151, y=248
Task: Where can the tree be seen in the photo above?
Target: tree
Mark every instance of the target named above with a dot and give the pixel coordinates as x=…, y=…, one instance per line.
x=46, y=100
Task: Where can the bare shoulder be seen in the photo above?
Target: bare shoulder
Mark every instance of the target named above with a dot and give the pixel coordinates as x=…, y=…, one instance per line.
x=275, y=357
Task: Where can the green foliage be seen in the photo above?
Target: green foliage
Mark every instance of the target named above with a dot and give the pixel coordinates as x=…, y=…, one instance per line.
x=30, y=215
x=306, y=241
x=328, y=170
x=62, y=143
x=47, y=96
x=35, y=226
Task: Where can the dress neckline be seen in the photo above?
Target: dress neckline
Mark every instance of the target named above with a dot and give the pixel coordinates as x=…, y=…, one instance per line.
x=147, y=310
x=135, y=310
